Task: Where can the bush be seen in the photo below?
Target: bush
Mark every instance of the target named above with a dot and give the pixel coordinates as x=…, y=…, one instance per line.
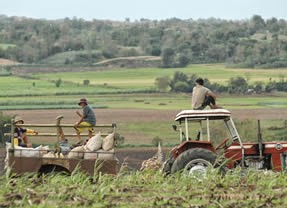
x=3, y=120
x=58, y=82
x=86, y=82
x=155, y=141
x=181, y=87
x=119, y=139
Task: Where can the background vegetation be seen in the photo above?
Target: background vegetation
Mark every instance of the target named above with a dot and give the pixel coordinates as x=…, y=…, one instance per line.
x=63, y=60
x=254, y=42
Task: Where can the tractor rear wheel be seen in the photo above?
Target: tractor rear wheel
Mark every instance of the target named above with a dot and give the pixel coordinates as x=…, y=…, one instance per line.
x=194, y=160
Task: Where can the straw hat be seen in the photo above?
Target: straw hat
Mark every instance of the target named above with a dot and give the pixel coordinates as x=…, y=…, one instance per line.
x=83, y=100
x=18, y=119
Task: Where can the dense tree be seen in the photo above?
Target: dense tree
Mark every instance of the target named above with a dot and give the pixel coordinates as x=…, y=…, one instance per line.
x=168, y=56
x=237, y=85
x=180, y=82
x=254, y=42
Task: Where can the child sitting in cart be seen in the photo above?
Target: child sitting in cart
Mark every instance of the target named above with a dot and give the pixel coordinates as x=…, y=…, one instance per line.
x=20, y=134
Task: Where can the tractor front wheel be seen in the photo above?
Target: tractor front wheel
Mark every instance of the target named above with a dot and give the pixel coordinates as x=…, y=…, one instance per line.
x=194, y=160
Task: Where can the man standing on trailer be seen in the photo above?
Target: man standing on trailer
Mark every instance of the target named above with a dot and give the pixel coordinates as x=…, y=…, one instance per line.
x=202, y=96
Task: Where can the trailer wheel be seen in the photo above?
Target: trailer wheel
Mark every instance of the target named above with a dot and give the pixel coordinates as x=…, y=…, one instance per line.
x=194, y=160
x=52, y=169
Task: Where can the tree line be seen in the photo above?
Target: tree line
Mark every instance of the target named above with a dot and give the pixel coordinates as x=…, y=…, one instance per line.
x=181, y=82
x=253, y=42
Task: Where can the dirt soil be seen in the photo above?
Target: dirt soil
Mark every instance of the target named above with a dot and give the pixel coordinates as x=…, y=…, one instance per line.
x=133, y=156
x=129, y=115
x=7, y=62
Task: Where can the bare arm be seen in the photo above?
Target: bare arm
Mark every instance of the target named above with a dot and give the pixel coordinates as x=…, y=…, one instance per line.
x=211, y=94
x=79, y=114
x=82, y=116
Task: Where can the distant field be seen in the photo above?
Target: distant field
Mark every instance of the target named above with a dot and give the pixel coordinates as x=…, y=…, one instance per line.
x=128, y=88
x=145, y=78
x=4, y=46
x=159, y=101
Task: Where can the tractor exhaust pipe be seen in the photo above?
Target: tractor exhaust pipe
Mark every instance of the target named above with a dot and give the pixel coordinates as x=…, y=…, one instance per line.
x=260, y=140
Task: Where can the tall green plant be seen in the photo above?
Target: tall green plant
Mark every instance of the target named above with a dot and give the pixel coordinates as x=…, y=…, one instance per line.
x=3, y=120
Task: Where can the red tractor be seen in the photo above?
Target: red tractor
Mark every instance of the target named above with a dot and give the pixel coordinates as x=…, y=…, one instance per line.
x=196, y=154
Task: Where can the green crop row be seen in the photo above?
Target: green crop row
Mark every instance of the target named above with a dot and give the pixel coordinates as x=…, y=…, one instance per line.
x=129, y=189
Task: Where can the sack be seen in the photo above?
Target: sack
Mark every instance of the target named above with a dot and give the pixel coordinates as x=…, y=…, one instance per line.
x=90, y=155
x=108, y=142
x=106, y=155
x=100, y=155
x=77, y=152
x=94, y=143
x=49, y=155
x=53, y=155
x=29, y=152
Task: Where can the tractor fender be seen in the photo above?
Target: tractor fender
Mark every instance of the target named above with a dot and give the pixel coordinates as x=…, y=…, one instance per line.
x=176, y=151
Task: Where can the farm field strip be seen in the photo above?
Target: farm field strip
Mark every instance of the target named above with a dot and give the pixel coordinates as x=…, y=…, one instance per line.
x=158, y=101
x=145, y=77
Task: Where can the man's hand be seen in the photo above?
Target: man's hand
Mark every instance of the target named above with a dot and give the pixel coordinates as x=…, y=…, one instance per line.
x=77, y=124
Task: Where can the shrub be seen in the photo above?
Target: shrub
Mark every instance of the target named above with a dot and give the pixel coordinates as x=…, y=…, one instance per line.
x=156, y=140
x=4, y=119
x=58, y=82
x=119, y=139
x=86, y=82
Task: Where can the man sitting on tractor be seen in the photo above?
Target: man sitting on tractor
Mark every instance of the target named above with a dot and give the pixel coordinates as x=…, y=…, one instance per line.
x=202, y=96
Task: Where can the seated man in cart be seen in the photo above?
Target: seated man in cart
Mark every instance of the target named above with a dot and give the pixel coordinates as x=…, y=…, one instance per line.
x=87, y=119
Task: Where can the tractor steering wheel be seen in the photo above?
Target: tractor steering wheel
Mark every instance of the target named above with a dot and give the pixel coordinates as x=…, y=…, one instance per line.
x=222, y=143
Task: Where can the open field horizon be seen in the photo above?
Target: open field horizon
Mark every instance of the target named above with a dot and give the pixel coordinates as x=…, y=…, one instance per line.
x=118, y=94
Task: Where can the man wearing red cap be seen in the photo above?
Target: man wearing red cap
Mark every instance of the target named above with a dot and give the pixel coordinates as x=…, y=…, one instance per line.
x=87, y=119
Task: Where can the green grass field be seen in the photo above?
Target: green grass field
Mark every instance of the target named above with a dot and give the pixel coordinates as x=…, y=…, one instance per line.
x=145, y=77
x=147, y=189
x=160, y=101
x=4, y=46
x=124, y=89
x=128, y=88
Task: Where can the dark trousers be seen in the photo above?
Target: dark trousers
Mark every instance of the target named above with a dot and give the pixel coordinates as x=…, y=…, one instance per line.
x=207, y=101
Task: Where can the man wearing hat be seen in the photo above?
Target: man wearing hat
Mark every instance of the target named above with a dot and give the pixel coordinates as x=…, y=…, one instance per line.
x=87, y=119
x=21, y=133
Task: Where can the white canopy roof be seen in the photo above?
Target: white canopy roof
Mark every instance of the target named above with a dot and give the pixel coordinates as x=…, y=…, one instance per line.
x=213, y=114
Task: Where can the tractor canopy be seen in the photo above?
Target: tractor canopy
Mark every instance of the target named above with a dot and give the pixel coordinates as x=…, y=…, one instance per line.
x=186, y=117
x=217, y=114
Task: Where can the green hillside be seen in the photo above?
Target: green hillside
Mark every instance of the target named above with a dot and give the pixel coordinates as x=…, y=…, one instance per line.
x=252, y=43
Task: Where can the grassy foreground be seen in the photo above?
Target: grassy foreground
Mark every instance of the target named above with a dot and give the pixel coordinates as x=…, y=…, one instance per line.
x=147, y=189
